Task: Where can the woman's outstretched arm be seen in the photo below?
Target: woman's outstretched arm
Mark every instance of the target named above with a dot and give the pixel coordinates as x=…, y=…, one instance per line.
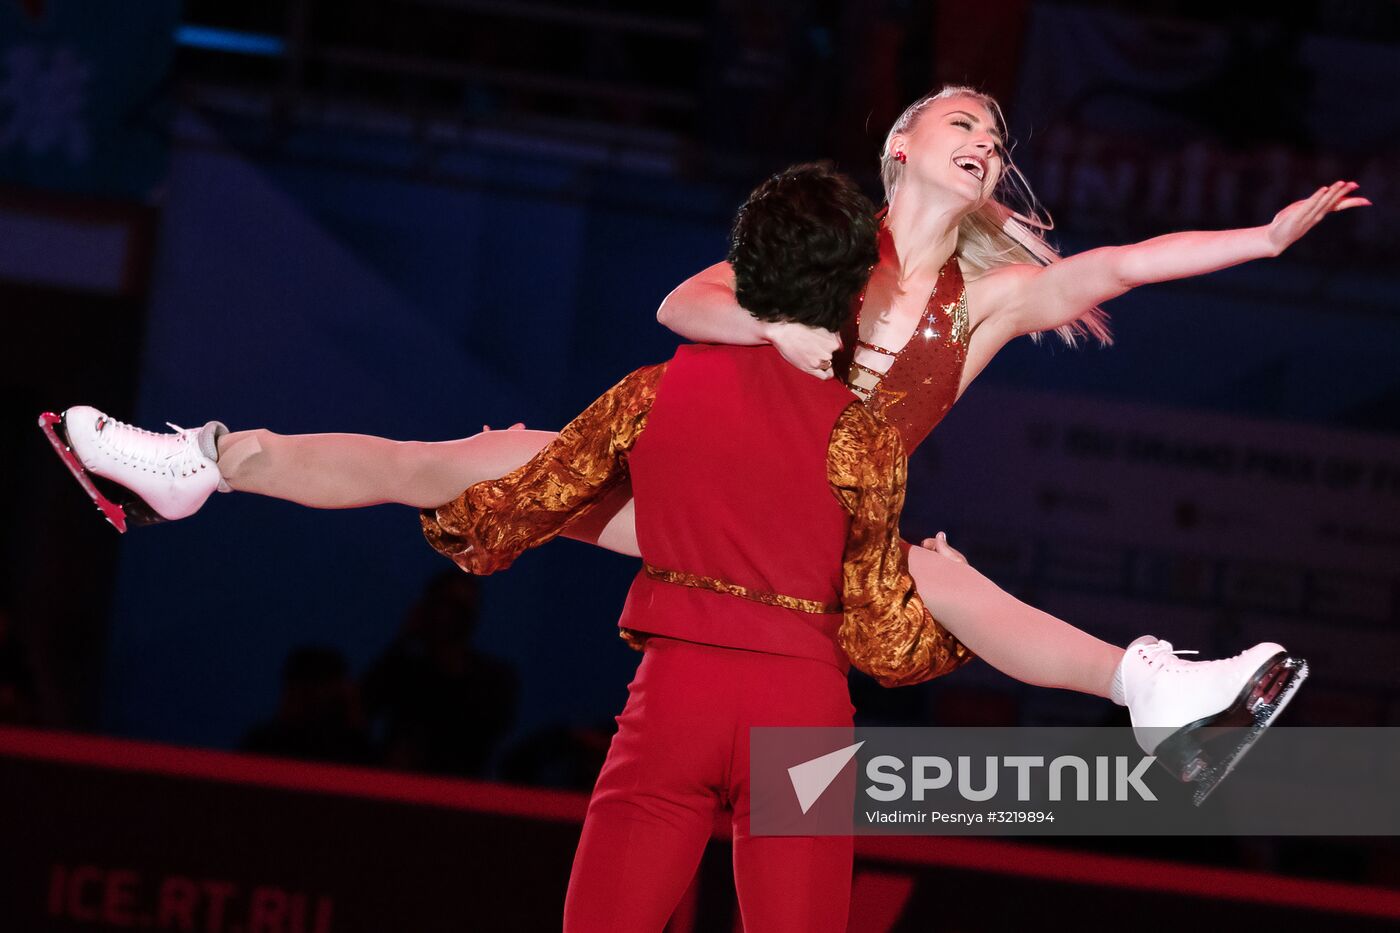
x=703, y=309
x=1043, y=298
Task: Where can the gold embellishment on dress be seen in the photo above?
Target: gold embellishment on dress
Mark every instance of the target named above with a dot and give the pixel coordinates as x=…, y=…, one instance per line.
x=886, y=631
x=871, y=346
x=959, y=333
x=888, y=396
x=866, y=369
x=681, y=578
x=490, y=524
x=863, y=378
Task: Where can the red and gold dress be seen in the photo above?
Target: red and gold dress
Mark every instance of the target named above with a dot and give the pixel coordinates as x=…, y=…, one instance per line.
x=922, y=381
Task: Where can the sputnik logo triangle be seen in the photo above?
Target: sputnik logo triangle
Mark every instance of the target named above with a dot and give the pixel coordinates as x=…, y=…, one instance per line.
x=810, y=779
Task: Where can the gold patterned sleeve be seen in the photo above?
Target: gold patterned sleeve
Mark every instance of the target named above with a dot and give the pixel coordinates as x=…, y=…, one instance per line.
x=887, y=633
x=490, y=524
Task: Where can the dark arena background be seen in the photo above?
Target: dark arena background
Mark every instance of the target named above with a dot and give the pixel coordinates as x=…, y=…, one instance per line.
x=411, y=218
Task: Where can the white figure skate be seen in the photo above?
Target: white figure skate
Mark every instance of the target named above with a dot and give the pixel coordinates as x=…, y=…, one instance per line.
x=1199, y=718
x=134, y=476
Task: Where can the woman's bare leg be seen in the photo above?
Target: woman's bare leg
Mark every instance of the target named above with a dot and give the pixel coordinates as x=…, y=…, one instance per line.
x=346, y=471
x=1019, y=640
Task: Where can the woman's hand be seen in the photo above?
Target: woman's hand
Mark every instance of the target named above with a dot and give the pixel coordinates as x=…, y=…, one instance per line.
x=808, y=348
x=1044, y=298
x=939, y=545
x=1298, y=218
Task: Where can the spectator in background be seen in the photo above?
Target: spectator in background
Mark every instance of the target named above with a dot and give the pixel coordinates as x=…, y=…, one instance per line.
x=319, y=716
x=563, y=756
x=437, y=703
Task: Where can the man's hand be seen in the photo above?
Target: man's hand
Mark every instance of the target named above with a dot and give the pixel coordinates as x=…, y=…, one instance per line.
x=939, y=545
x=808, y=348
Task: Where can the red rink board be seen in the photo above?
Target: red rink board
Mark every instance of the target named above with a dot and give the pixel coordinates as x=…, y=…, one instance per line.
x=105, y=833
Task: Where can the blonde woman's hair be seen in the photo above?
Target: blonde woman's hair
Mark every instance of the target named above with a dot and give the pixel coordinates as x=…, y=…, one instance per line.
x=1005, y=229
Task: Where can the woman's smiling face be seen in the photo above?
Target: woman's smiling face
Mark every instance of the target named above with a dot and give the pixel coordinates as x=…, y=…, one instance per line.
x=954, y=144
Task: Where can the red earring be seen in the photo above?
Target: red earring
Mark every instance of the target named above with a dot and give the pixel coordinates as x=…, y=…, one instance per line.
x=901, y=158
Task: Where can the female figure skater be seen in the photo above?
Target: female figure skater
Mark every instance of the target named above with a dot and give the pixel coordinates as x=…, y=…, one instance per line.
x=959, y=275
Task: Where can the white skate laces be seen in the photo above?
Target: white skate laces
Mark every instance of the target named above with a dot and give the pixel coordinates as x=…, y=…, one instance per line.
x=1157, y=653
x=170, y=474
x=1154, y=652
x=177, y=454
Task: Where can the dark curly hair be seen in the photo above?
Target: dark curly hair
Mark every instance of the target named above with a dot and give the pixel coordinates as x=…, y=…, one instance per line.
x=802, y=246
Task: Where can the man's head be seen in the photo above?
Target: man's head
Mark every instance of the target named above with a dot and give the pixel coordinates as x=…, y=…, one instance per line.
x=802, y=247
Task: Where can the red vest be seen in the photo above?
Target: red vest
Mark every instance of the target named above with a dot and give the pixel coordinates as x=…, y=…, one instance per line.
x=730, y=482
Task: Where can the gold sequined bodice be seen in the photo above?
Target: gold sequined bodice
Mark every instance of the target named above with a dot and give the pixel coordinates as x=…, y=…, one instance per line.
x=921, y=383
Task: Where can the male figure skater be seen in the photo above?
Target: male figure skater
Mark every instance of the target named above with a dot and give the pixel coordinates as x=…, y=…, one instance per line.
x=767, y=507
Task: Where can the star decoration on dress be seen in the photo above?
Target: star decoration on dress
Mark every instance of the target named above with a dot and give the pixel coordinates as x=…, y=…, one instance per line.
x=883, y=398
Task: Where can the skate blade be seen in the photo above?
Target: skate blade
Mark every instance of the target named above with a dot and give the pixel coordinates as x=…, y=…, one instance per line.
x=51, y=424
x=1283, y=684
x=118, y=506
x=1206, y=751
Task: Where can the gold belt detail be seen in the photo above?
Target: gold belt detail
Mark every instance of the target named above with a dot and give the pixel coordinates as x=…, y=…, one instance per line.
x=681, y=578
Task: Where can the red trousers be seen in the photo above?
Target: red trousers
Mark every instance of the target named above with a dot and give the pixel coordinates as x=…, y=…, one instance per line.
x=681, y=752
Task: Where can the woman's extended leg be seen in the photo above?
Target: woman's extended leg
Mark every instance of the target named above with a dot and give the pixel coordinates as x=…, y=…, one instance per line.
x=346, y=471
x=1173, y=703
x=1019, y=640
x=164, y=477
